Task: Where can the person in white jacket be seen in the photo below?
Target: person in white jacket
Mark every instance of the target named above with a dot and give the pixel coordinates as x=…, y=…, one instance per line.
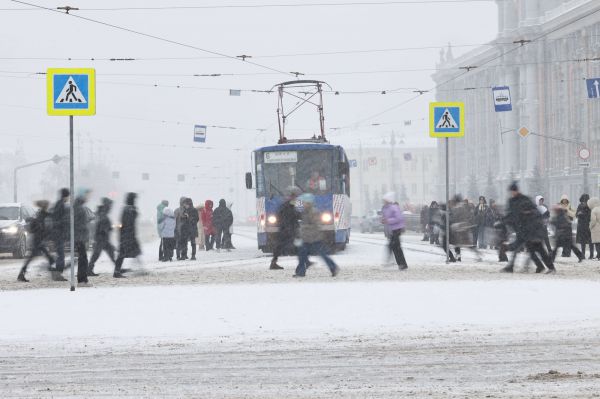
x=166, y=229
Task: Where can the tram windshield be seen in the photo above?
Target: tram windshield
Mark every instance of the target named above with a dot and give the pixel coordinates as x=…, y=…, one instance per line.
x=309, y=170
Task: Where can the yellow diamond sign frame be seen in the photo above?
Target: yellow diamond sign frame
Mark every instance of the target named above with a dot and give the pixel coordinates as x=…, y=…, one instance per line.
x=523, y=132
x=71, y=91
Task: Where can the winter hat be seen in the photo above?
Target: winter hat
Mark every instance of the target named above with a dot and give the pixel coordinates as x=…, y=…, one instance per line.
x=584, y=198
x=513, y=186
x=390, y=197
x=222, y=202
x=42, y=204
x=130, y=198
x=64, y=192
x=564, y=197
x=82, y=192
x=165, y=202
x=106, y=203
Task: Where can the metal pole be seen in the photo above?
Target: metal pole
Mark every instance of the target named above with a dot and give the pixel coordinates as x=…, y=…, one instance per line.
x=585, y=180
x=71, y=208
x=15, y=185
x=447, y=201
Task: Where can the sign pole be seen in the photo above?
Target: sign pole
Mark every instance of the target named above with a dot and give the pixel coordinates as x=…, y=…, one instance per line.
x=447, y=238
x=71, y=208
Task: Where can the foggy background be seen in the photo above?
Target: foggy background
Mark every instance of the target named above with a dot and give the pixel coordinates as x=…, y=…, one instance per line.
x=147, y=108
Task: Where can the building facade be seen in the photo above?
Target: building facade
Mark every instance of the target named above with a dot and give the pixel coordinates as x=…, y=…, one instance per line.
x=545, y=50
x=409, y=172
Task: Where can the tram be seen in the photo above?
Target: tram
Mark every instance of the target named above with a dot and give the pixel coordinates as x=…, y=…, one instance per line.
x=310, y=165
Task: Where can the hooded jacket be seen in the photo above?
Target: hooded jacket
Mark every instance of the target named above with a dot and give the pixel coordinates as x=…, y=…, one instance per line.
x=60, y=217
x=80, y=220
x=567, y=206
x=207, y=218
x=393, y=217
x=166, y=228
x=222, y=217
x=128, y=244
x=159, y=213
x=543, y=209
x=594, y=204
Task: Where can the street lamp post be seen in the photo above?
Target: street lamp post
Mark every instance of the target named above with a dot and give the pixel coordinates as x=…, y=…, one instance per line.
x=56, y=159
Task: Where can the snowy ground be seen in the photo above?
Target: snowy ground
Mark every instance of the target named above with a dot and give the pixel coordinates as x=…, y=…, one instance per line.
x=225, y=326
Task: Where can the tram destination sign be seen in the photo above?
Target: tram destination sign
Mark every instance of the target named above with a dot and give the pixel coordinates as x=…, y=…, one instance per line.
x=281, y=157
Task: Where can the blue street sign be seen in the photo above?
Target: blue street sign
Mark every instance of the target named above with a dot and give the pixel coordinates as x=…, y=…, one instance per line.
x=447, y=119
x=593, y=87
x=200, y=133
x=502, y=100
x=353, y=163
x=71, y=91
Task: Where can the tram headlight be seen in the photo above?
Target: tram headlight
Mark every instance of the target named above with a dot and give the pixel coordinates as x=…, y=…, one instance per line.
x=326, y=217
x=272, y=219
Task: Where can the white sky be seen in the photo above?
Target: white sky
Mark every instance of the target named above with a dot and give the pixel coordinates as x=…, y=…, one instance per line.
x=233, y=31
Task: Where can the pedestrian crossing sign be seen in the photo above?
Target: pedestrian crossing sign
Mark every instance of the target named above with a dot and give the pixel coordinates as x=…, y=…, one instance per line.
x=447, y=119
x=71, y=91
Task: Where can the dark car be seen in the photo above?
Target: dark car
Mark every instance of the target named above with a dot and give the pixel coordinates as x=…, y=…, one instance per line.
x=372, y=222
x=14, y=219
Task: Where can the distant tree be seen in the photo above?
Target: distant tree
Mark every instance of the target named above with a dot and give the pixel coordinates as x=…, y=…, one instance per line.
x=491, y=191
x=472, y=190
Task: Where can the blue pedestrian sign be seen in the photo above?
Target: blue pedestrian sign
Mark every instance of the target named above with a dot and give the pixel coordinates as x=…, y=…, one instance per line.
x=199, y=133
x=71, y=91
x=353, y=163
x=502, y=100
x=593, y=87
x=447, y=119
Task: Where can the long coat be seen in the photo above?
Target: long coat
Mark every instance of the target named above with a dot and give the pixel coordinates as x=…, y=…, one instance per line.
x=128, y=244
x=584, y=235
x=594, y=204
x=82, y=233
x=524, y=217
x=462, y=223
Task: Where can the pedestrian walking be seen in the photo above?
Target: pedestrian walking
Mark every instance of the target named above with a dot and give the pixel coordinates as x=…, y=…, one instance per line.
x=222, y=220
x=526, y=221
x=543, y=210
x=311, y=238
x=159, y=218
x=129, y=246
x=393, y=219
x=229, y=244
x=434, y=223
x=37, y=228
x=584, y=235
x=82, y=236
x=60, y=232
x=594, y=205
x=462, y=226
x=423, y=218
x=288, y=221
x=564, y=234
x=102, y=235
x=166, y=230
x=480, y=222
x=207, y=224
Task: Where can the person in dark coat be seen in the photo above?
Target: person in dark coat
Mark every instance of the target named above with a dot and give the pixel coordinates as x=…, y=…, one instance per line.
x=524, y=218
x=462, y=225
x=222, y=220
x=180, y=240
x=60, y=232
x=37, y=228
x=564, y=234
x=82, y=236
x=480, y=223
x=189, y=228
x=584, y=235
x=129, y=246
x=288, y=221
x=424, y=217
x=434, y=223
x=102, y=235
x=159, y=218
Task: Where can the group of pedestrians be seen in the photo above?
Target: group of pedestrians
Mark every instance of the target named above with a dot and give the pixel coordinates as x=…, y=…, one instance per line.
x=194, y=228
x=484, y=226
x=51, y=226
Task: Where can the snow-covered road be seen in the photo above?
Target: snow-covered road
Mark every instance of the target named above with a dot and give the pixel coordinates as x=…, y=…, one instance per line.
x=226, y=326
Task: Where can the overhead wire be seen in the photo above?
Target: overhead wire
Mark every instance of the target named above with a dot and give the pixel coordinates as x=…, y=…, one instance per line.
x=159, y=38
x=467, y=71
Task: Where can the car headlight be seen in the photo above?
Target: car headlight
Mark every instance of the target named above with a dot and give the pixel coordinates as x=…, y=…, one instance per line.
x=326, y=217
x=11, y=230
x=272, y=219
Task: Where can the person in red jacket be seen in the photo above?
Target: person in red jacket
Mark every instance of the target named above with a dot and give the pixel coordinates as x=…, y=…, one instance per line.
x=207, y=223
